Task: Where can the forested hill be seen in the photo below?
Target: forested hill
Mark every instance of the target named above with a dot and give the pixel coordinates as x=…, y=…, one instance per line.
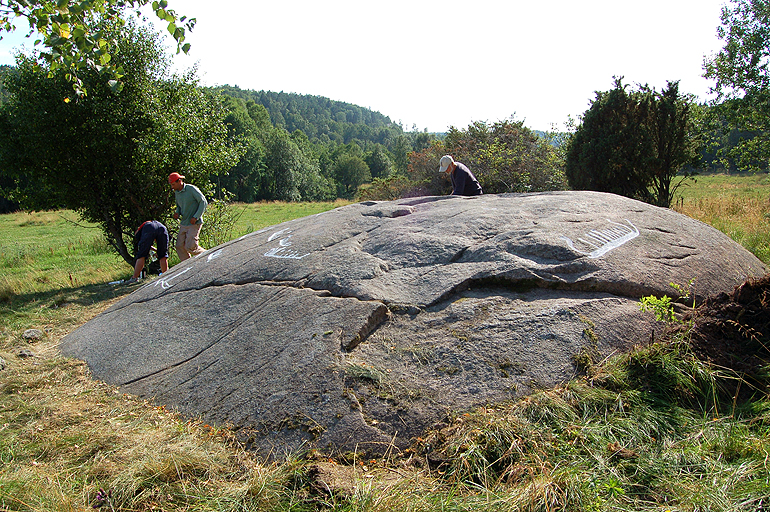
x=320, y=118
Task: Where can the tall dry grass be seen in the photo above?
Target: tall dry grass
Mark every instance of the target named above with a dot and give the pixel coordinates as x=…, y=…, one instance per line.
x=645, y=432
x=739, y=206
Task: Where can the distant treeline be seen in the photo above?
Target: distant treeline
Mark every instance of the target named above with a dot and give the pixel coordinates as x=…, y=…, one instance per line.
x=320, y=119
x=330, y=123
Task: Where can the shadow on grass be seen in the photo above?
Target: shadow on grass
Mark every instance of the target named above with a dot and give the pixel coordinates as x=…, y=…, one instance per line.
x=86, y=296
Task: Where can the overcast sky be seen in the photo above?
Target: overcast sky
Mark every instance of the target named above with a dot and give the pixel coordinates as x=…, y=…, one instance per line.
x=438, y=64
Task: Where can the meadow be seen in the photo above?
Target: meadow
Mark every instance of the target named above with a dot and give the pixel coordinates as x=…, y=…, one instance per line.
x=737, y=205
x=657, y=429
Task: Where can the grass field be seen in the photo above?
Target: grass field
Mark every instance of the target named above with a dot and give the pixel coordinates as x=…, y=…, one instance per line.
x=738, y=205
x=655, y=430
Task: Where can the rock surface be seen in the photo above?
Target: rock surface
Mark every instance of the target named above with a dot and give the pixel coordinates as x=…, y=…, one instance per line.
x=32, y=334
x=358, y=328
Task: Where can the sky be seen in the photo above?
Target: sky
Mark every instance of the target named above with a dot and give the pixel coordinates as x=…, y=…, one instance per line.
x=435, y=64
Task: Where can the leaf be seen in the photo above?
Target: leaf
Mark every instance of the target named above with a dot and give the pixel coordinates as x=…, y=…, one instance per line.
x=115, y=86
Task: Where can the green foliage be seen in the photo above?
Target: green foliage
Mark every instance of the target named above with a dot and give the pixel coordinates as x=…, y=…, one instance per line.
x=350, y=172
x=247, y=126
x=322, y=120
x=663, y=307
x=76, y=42
x=634, y=144
x=378, y=162
x=390, y=189
x=4, y=70
x=742, y=73
x=504, y=157
x=291, y=175
x=105, y=155
x=221, y=219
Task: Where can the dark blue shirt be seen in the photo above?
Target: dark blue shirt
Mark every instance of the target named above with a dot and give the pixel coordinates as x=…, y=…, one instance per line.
x=464, y=183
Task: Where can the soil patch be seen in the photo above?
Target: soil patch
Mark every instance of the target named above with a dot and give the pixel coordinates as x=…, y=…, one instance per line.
x=732, y=330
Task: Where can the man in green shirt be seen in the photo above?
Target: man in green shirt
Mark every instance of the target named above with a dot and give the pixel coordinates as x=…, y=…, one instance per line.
x=190, y=205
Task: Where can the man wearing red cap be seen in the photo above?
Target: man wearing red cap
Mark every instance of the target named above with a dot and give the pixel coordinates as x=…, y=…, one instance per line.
x=190, y=205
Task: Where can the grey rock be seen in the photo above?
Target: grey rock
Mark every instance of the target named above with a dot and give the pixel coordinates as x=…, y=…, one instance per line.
x=25, y=353
x=32, y=334
x=358, y=328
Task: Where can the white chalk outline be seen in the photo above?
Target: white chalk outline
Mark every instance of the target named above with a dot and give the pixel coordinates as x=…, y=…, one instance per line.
x=165, y=282
x=282, y=251
x=214, y=255
x=607, y=239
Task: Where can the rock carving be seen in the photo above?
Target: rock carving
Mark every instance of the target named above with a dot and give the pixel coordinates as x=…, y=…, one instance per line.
x=604, y=240
x=358, y=329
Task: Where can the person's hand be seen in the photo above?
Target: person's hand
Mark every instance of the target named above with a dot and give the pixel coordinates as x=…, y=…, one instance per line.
x=176, y=216
x=193, y=220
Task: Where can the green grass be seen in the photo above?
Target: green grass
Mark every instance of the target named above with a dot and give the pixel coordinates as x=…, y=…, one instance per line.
x=737, y=205
x=256, y=216
x=653, y=430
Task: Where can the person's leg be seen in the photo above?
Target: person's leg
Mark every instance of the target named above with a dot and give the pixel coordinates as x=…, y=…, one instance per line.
x=146, y=238
x=161, y=237
x=181, y=238
x=191, y=242
x=138, y=267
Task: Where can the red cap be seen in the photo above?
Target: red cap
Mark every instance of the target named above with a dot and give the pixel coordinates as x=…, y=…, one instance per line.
x=174, y=176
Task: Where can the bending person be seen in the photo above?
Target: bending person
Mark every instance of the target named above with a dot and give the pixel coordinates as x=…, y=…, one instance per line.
x=149, y=232
x=464, y=183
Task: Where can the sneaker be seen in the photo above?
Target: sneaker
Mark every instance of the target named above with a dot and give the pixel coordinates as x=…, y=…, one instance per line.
x=132, y=280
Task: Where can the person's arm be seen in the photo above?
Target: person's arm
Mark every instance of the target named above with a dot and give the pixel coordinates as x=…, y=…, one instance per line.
x=202, y=203
x=458, y=180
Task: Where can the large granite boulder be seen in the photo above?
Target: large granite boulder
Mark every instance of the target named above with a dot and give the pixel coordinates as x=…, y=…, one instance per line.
x=358, y=328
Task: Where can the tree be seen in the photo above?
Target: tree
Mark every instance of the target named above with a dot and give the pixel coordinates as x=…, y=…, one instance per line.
x=378, y=162
x=351, y=173
x=107, y=156
x=609, y=151
x=742, y=73
x=243, y=179
x=634, y=143
x=505, y=157
x=675, y=145
x=291, y=175
x=75, y=39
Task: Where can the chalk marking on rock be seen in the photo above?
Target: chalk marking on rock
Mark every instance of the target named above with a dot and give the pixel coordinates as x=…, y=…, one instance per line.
x=165, y=283
x=277, y=234
x=215, y=255
x=283, y=251
x=605, y=240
